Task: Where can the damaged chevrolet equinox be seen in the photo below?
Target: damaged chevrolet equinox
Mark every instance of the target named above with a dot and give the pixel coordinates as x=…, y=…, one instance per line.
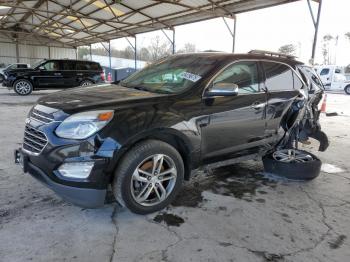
x=142, y=137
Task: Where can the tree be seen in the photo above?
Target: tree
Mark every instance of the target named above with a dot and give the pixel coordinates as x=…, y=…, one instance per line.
x=188, y=48
x=158, y=49
x=347, y=35
x=325, y=48
x=287, y=49
x=83, y=52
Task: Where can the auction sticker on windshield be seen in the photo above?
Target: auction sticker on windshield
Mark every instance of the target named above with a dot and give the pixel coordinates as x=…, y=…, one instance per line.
x=190, y=76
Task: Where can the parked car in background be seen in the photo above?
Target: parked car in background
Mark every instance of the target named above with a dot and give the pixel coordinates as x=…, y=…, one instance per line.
x=53, y=73
x=12, y=67
x=333, y=78
x=145, y=135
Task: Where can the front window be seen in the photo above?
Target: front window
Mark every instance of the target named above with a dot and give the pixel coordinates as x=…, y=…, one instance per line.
x=243, y=74
x=51, y=66
x=172, y=75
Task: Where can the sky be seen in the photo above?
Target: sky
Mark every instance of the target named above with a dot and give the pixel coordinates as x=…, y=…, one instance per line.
x=267, y=29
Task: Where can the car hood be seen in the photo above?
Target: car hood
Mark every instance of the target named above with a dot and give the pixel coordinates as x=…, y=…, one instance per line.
x=98, y=96
x=20, y=70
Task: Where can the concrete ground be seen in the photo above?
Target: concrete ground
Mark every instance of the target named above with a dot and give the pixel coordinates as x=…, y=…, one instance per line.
x=232, y=214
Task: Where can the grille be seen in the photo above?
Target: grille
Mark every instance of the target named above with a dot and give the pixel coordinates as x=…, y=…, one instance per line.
x=41, y=116
x=34, y=140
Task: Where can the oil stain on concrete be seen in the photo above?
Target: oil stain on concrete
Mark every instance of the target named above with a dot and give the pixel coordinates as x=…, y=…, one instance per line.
x=241, y=181
x=169, y=219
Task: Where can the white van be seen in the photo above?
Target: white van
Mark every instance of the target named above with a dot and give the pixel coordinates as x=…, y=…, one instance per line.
x=333, y=78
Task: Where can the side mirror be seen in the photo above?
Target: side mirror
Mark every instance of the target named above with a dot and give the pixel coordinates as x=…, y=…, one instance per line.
x=337, y=71
x=41, y=68
x=223, y=89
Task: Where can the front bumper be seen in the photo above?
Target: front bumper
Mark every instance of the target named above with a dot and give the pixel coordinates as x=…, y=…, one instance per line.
x=84, y=197
x=7, y=83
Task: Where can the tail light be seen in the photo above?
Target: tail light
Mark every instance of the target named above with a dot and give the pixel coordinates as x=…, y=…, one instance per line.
x=102, y=76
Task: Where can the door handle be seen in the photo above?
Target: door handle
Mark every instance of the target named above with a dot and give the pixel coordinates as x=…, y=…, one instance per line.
x=57, y=74
x=258, y=105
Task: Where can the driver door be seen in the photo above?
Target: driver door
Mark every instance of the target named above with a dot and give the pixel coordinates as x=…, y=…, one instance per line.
x=236, y=122
x=50, y=75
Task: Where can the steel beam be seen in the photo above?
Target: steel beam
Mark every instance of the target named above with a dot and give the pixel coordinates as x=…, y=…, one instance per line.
x=232, y=32
x=316, y=26
x=134, y=47
x=172, y=41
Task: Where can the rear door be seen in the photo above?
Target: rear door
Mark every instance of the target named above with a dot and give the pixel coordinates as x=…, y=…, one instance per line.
x=236, y=123
x=281, y=93
x=69, y=73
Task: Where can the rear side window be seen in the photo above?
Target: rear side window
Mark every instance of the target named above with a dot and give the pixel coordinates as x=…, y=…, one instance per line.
x=83, y=66
x=243, y=74
x=297, y=82
x=95, y=66
x=279, y=77
x=68, y=65
x=324, y=72
x=21, y=66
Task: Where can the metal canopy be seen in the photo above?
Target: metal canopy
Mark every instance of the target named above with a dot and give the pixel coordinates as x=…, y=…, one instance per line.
x=83, y=22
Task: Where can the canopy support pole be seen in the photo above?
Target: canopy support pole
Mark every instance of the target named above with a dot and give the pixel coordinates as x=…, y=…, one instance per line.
x=134, y=47
x=172, y=41
x=232, y=32
x=316, y=26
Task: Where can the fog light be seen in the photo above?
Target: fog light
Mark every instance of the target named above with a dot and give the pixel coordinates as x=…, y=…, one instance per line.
x=76, y=169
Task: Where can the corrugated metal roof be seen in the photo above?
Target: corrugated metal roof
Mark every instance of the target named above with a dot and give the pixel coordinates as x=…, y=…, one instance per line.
x=82, y=22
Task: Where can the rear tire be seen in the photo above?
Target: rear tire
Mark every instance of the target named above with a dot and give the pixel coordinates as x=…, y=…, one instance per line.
x=23, y=87
x=347, y=89
x=307, y=167
x=1, y=78
x=148, y=177
x=86, y=83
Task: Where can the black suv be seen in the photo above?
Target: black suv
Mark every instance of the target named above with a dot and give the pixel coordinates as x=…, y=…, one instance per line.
x=145, y=135
x=49, y=74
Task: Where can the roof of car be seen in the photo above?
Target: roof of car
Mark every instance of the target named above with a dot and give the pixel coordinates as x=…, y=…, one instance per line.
x=223, y=55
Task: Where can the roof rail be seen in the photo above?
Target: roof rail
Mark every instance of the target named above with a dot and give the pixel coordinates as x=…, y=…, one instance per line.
x=273, y=54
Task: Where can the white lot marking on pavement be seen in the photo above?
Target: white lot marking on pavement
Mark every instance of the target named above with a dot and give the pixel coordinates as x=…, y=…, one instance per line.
x=331, y=169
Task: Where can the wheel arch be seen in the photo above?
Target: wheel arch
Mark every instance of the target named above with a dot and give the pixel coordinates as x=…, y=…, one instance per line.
x=170, y=136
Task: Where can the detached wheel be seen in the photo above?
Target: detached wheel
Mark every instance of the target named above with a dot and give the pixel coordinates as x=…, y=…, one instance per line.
x=347, y=89
x=23, y=87
x=292, y=164
x=86, y=83
x=148, y=177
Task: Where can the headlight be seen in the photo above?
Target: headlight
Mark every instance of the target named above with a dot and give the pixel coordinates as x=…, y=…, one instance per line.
x=83, y=125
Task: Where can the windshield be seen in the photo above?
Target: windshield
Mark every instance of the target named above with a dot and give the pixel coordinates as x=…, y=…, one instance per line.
x=171, y=75
x=38, y=63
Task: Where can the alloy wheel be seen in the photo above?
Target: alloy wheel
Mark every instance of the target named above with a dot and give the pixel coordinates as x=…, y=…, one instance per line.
x=153, y=180
x=86, y=83
x=292, y=156
x=23, y=87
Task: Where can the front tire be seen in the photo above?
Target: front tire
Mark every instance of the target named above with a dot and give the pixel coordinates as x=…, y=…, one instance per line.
x=347, y=89
x=23, y=87
x=148, y=177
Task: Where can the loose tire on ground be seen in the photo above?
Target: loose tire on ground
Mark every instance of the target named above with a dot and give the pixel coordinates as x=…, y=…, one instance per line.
x=136, y=166
x=23, y=87
x=295, y=170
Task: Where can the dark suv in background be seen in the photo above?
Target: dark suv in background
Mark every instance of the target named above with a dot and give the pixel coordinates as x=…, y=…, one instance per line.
x=51, y=73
